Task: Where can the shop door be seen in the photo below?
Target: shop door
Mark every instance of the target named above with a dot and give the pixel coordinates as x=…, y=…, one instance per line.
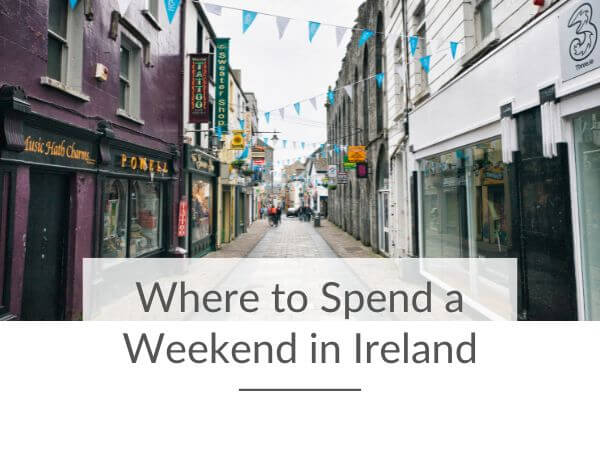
x=45, y=257
x=545, y=235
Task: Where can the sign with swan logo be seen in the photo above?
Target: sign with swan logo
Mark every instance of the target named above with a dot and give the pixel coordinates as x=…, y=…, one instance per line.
x=580, y=49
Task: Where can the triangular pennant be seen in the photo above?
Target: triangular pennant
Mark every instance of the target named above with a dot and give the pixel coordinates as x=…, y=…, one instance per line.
x=282, y=23
x=379, y=78
x=284, y=143
x=453, y=47
x=282, y=113
x=123, y=5
x=297, y=108
x=364, y=37
x=303, y=144
x=73, y=3
x=213, y=9
x=313, y=101
x=219, y=132
x=313, y=27
x=242, y=123
x=425, y=60
x=266, y=141
x=171, y=7
x=339, y=34
x=349, y=90
x=267, y=116
x=247, y=19
x=331, y=97
x=413, y=41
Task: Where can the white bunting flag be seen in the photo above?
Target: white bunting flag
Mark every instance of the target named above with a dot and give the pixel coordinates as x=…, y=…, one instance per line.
x=348, y=90
x=282, y=113
x=123, y=5
x=339, y=34
x=313, y=101
x=282, y=23
x=213, y=9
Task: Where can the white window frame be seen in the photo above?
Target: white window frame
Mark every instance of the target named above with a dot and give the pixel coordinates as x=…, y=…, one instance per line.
x=421, y=77
x=478, y=5
x=71, y=78
x=132, y=109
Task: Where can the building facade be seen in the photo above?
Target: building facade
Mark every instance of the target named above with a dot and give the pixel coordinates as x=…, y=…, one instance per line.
x=82, y=131
x=501, y=139
x=358, y=117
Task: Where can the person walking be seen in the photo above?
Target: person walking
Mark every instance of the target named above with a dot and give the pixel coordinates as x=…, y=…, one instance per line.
x=278, y=214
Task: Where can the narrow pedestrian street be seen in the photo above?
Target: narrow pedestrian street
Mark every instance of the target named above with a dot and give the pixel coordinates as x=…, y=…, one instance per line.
x=294, y=239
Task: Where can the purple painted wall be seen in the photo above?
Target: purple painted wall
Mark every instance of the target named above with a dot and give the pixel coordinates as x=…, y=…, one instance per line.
x=23, y=56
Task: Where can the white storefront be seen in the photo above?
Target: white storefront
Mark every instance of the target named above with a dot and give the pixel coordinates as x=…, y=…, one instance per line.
x=504, y=131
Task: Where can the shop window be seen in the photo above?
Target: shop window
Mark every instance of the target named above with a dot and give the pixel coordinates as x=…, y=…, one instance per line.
x=65, y=44
x=145, y=219
x=129, y=78
x=114, y=239
x=483, y=19
x=587, y=155
x=466, y=203
x=132, y=218
x=201, y=209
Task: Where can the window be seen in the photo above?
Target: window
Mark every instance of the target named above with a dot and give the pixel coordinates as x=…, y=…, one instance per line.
x=211, y=61
x=587, y=155
x=132, y=219
x=465, y=200
x=199, y=38
x=201, y=209
x=399, y=77
x=483, y=19
x=153, y=8
x=65, y=46
x=421, y=78
x=365, y=130
x=129, y=78
x=57, y=39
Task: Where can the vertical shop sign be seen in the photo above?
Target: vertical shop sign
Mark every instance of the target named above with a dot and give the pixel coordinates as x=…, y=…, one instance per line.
x=182, y=222
x=222, y=85
x=199, y=109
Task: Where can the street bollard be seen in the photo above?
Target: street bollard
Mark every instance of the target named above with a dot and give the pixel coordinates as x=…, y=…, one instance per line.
x=317, y=220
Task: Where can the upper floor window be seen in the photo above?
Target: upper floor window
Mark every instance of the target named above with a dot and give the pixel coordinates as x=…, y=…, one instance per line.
x=422, y=81
x=483, y=19
x=65, y=43
x=129, y=78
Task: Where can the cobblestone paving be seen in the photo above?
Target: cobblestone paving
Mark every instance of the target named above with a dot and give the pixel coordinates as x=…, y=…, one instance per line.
x=292, y=239
x=343, y=244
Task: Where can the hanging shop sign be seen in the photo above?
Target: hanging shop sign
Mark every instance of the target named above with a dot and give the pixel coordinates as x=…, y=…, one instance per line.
x=183, y=218
x=237, y=141
x=579, y=46
x=349, y=166
x=222, y=85
x=362, y=170
x=357, y=153
x=136, y=164
x=258, y=152
x=258, y=161
x=342, y=177
x=199, y=106
x=197, y=162
x=332, y=172
x=49, y=148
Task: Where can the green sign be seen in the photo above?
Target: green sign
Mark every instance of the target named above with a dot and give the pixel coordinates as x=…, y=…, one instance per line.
x=222, y=85
x=349, y=166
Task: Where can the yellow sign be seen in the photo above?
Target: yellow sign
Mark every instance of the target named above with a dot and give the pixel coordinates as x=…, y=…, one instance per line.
x=143, y=164
x=357, y=154
x=237, y=142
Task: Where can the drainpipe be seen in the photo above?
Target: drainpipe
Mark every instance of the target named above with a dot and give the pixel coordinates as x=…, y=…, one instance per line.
x=182, y=51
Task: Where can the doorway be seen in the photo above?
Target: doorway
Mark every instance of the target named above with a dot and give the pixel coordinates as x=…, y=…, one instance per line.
x=46, y=250
x=544, y=229
x=383, y=195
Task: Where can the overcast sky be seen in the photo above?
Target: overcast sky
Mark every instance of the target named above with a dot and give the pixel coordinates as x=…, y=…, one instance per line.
x=282, y=72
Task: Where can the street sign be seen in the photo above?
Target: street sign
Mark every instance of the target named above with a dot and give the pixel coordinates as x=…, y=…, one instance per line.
x=578, y=33
x=182, y=222
x=332, y=172
x=342, y=177
x=199, y=106
x=362, y=170
x=357, y=153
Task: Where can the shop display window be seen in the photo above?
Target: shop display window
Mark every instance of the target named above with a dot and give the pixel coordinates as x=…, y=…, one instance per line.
x=201, y=211
x=114, y=239
x=145, y=219
x=587, y=156
x=132, y=219
x=465, y=203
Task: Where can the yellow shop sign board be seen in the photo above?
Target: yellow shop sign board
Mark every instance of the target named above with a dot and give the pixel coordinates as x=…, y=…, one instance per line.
x=237, y=141
x=357, y=154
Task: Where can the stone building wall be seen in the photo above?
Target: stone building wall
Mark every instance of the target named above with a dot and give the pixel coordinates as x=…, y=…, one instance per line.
x=359, y=121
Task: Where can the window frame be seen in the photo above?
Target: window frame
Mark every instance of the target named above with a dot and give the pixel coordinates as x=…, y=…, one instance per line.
x=132, y=109
x=478, y=23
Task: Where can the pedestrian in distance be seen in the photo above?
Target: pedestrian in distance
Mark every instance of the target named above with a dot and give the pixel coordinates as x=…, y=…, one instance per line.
x=278, y=214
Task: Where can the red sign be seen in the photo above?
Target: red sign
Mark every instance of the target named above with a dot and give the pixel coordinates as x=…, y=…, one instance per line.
x=183, y=215
x=258, y=161
x=199, y=109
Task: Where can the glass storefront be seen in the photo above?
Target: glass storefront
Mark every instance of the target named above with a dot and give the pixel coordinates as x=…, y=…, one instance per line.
x=587, y=156
x=201, y=213
x=132, y=218
x=466, y=203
